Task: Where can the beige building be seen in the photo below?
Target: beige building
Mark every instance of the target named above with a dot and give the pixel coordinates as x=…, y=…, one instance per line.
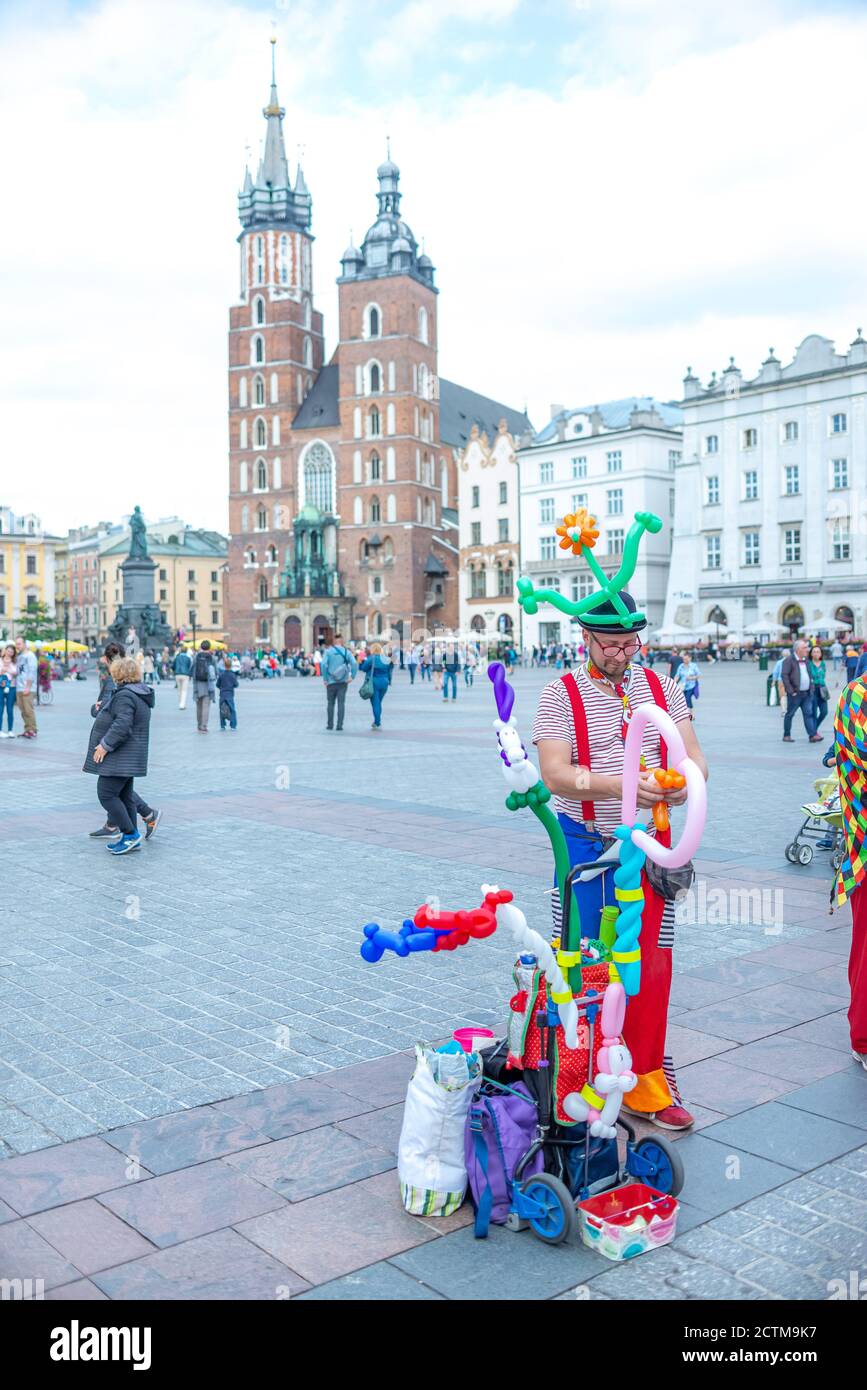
x=188, y=584
x=27, y=568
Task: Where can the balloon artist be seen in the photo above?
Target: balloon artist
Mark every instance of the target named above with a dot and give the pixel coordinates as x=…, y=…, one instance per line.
x=579, y=731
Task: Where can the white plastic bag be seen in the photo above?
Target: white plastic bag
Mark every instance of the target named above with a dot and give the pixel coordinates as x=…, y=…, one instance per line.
x=430, y=1156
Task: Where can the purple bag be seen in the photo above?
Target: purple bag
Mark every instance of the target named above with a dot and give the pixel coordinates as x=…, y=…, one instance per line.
x=501, y=1126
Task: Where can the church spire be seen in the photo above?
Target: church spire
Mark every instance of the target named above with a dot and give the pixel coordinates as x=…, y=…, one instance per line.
x=274, y=167
x=269, y=198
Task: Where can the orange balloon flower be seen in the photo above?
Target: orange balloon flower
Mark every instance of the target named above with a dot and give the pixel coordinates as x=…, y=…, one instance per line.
x=578, y=532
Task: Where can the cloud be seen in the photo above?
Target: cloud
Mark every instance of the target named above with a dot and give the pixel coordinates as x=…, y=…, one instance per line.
x=591, y=237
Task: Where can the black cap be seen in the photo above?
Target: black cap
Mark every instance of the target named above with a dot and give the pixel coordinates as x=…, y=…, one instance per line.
x=602, y=610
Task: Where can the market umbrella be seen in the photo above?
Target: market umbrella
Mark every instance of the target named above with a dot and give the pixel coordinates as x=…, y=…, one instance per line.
x=58, y=645
x=755, y=629
x=711, y=629
x=215, y=645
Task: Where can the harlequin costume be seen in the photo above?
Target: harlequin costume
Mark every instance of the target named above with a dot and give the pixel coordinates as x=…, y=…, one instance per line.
x=850, y=746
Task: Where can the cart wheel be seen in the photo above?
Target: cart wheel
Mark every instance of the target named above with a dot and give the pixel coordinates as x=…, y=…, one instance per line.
x=557, y=1221
x=805, y=854
x=837, y=860
x=667, y=1174
x=792, y=853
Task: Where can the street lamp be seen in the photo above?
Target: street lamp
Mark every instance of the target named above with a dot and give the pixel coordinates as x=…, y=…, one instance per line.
x=193, y=621
x=66, y=637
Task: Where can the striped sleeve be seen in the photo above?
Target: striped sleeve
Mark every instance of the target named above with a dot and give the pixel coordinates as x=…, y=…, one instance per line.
x=554, y=715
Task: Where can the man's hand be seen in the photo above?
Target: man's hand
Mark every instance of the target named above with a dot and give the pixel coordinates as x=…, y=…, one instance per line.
x=98, y=753
x=675, y=796
x=650, y=793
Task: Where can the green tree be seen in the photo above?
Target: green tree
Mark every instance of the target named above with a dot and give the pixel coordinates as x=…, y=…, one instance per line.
x=36, y=625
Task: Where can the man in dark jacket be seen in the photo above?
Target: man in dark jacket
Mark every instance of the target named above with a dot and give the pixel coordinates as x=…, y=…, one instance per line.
x=118, y=750
x=204, y=676
x=107, y=688
x=795, y=676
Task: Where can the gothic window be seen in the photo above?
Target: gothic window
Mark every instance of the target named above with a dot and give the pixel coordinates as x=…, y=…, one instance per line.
x=308, y=353
x=261, y=475
x=318, y=471
x=263, y=591
x=261, y=433
x=250, y=555
x=258, y=309
x=372, y=321
x=242, y=392
x=422, y=324
x=375, y=468
x=258, y=349
x=374, y=423
x=375, y=509
x=284, y=260
x=259, y=272
x=272, y=554
x=261, y=520
x=388, y=549
x=263, y=628
x=375, y=379
x=258, y=390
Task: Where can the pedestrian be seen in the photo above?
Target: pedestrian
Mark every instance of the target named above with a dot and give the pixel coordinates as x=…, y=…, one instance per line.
x=849, y=745
x=470, y=663
x=339, y=669
x=451, y=666
x=107, y=687
x=8, y=679
x=836, y=653
x=861, y=666
x=412, y=664
x=379, y=670
x=580, y=730
x=182, y=666
x=25, y=686
x=148, y=668
x=117, y=750
x=204, y=678
x=686, y=676
x=437, y=667
x=851, y=663
x=795, y=675
x=818, y=685
x=227, y=684
x=673, y=662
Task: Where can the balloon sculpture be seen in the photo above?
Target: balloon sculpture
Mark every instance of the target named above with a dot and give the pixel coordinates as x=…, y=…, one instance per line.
x=579, y=535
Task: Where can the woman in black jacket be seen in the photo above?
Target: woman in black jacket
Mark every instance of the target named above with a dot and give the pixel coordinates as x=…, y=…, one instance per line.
x=118, y=749
x=107, y=686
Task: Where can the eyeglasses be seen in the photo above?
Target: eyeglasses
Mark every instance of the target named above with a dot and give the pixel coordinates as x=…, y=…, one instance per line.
x=626, y=648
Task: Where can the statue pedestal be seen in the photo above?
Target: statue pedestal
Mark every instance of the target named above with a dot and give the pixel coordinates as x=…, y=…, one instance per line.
x=138, y=609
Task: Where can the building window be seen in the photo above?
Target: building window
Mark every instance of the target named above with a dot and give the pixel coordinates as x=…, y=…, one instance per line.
x=839, y=423
x=751, y=548
x=372, y=321
x=751, y=485
x=261, y=475
x=31, y=564
x=711, y=490
x=258, y=353
x=308, y=353
x=375, y=468
x=191, y=576
x=191, y=595
x=164, y=574
x=505, y=581
x=792, y=479
x=503, y=529
x=674, y=457
x=319, y=476
x=711, y=444
x=263, y=590
x=582, y=586
x=475, y=533
x=475, y=501
x=375, y=379
x=546, y=510
x=258, y=390
x=579, y=467
x=259, y=309
x=615, y=541
x=504, y=494
x=214, y=576
x=840, y=541
x=751, y=438
x=375, y=509
x=546, y=472
x=374, y=424
x=579, y=500
x=548, y=548
x=614, y=461
x=615, y=501
x=712, y=554
x=422, y=324
x=478, y=583
x=790, y=432
x=215, y=617
x=792, y=545
x=839, y=473
x=261, y=519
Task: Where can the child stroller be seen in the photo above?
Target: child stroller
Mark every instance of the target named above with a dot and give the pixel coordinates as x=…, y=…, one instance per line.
x=576, y=1165
x=823, y=822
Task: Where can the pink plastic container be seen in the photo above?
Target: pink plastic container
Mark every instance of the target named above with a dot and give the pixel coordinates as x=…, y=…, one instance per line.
x=473, y=1038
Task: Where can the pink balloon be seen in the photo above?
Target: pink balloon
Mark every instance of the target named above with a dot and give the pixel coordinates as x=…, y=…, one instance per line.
x=679, y=761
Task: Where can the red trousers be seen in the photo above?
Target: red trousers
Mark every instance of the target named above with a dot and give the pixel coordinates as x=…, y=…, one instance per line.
x=647, y=1014
x=858, y=971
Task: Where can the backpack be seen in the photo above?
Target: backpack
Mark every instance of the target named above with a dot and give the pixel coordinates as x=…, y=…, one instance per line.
x=501, y=1126
x=202, y=666
x=341, y=671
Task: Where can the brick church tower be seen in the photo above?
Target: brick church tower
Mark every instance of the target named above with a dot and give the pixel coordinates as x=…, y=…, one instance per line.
x=395, y=477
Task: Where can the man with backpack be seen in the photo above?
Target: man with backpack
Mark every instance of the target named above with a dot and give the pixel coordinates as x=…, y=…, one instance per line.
x=339, y=669
x=204, y=684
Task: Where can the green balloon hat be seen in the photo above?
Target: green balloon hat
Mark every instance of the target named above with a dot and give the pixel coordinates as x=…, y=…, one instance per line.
x=610, y=608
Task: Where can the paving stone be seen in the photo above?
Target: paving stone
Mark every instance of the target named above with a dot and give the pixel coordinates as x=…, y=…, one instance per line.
x=279, y=1111
x=307, y=1164
x=191, y=1136
x=89, y=1236
x=82, y=1291
x=842, y=1097
x=221, y=1266
x=511, y=1262
x=741, y=1018
x=721, y=1176
x=793, y=1137
x=784, y=1281
x=25, y=1255
x=381, y=1281
x=180, y=1205
x=791, y=1058
x=721, y=1084
x=65, y=1173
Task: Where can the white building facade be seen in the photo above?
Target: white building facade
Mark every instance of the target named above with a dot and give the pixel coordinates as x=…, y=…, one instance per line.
x=771, y=515
x=613, y=460
x=488, y=513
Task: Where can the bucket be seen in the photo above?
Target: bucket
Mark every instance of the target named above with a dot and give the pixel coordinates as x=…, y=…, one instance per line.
x=473, y=1038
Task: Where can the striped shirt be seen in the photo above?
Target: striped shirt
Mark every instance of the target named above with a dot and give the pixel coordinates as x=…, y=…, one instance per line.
x=604, y=717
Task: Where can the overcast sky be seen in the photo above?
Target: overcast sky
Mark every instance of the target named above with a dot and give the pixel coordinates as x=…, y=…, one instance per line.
x=610, y=190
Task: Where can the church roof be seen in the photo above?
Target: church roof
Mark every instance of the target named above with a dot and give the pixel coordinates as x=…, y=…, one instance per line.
x=389, y=248
x=320, y=406
x=461, y=408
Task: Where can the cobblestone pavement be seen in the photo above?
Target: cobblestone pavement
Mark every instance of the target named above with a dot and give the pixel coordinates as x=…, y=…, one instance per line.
x=201, y=1007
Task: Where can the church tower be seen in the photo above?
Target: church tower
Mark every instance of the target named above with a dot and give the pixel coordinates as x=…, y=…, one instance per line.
x=395, y=476
x=275, y=353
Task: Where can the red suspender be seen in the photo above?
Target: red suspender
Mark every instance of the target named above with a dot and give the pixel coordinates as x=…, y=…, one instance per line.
x=582, y=737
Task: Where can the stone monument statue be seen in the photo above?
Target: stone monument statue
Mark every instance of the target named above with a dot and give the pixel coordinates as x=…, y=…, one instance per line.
x=138, y=623
x=138, y=539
